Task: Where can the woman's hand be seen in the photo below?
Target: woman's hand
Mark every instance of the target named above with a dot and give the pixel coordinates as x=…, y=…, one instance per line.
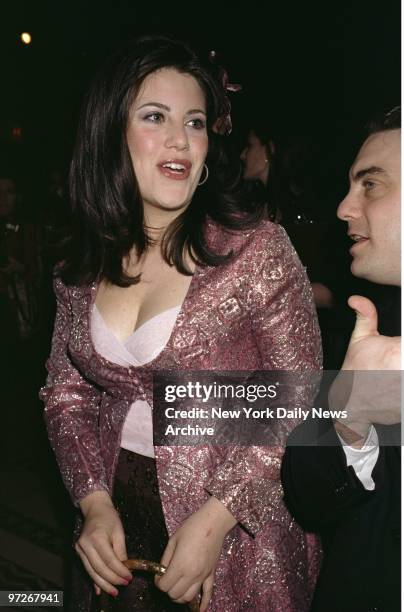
x=101, y=545
x=192, y=554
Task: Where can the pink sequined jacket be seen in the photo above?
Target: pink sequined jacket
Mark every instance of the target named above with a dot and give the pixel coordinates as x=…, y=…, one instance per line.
x=254, y=312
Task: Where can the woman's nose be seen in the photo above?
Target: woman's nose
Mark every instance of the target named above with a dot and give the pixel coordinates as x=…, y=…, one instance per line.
x=178, y=138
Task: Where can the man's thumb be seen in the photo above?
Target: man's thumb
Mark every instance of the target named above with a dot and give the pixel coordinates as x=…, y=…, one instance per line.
x=366, y=317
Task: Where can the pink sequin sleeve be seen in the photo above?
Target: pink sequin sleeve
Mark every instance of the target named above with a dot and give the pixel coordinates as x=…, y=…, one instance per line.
x=285, y=328
x=71, y=411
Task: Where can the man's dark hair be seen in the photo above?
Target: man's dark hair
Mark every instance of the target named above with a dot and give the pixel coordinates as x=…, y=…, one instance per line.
x=390, y=120
x=106, y=202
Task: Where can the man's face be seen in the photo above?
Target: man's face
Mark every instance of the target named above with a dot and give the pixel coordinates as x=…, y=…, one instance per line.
x=372, y=209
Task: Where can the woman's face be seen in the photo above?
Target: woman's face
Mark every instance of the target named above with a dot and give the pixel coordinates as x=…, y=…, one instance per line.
x=255, y=159
x=167, y=139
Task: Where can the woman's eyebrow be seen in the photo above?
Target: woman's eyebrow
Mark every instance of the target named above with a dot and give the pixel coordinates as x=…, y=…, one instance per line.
x=158, y=104
x=195, y=110
x=167, y=108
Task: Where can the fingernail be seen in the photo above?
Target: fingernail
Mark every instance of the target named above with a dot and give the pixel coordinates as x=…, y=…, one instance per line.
x=114, y=593
x=126, y=582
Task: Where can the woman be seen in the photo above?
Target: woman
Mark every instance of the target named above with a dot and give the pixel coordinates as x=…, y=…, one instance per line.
x=278, y=169
x=160, y=254
x=274, y=173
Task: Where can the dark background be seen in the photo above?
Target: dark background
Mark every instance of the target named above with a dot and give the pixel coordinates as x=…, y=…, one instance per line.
x=318, y=70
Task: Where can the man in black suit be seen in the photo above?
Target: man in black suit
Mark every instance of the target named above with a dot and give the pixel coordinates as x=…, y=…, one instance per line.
x=344, y=483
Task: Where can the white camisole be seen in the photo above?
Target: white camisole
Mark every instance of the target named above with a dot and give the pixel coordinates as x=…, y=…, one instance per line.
x=146, y=342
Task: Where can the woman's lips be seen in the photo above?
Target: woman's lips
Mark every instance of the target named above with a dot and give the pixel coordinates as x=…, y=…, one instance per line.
x=175, y=169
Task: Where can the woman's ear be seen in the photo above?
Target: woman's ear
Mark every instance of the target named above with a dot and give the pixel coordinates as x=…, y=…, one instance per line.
x=271, y=147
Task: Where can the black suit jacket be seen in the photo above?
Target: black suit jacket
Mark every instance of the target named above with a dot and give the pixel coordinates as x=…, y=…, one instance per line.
x=359, y=529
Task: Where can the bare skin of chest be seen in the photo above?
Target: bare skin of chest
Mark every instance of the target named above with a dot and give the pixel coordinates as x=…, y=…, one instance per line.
x=125, y=309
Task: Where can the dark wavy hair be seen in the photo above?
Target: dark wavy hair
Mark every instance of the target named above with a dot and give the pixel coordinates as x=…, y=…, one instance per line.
x=268, y=137
x=284, y=190
x=107, y=210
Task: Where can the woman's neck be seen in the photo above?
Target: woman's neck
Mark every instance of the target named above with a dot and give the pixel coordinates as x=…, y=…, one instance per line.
x=157, y=220
x=263, y=176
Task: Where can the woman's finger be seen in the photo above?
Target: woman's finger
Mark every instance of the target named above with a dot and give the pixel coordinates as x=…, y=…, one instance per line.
x=99, y=580
x=108, y=555
x=186, y=594
x=181, y=586
x=119, y=544
x=168, y=579
x=207, y=591
x=97, y=589
x=168, y=552
x=98, y=564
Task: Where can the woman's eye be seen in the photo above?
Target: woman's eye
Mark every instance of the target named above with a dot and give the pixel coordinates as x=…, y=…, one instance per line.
x=198, y=124
x=154, y=117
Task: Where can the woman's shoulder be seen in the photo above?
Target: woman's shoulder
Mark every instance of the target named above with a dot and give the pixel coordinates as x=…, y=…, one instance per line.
x=65, y=291
x=263, y=235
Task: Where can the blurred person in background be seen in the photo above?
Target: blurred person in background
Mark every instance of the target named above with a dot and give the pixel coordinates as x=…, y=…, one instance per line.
x=19, y=265
x=54, y=223
x=276, y=171
x=275, y=168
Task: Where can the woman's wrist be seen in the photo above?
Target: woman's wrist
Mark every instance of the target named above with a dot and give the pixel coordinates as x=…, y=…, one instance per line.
x=219, y=518
x=95, y=499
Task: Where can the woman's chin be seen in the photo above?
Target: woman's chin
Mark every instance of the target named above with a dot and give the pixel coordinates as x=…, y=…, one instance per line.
x=170, y=206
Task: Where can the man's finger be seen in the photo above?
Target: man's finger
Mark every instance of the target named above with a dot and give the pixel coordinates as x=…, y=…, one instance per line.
x=366, y=317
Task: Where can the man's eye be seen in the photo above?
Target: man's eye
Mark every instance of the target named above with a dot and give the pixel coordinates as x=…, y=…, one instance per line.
x=198, y=124
x=154, y=117
x=368, y=185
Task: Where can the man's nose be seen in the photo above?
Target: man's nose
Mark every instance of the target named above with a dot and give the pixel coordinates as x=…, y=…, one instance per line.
x=349, y=208
x=178, y=137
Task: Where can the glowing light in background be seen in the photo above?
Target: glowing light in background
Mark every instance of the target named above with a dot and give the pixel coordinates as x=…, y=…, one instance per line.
x=26, y=38
x=16, y=133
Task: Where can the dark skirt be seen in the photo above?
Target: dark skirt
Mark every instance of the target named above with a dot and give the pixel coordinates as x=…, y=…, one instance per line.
x=137, y=500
